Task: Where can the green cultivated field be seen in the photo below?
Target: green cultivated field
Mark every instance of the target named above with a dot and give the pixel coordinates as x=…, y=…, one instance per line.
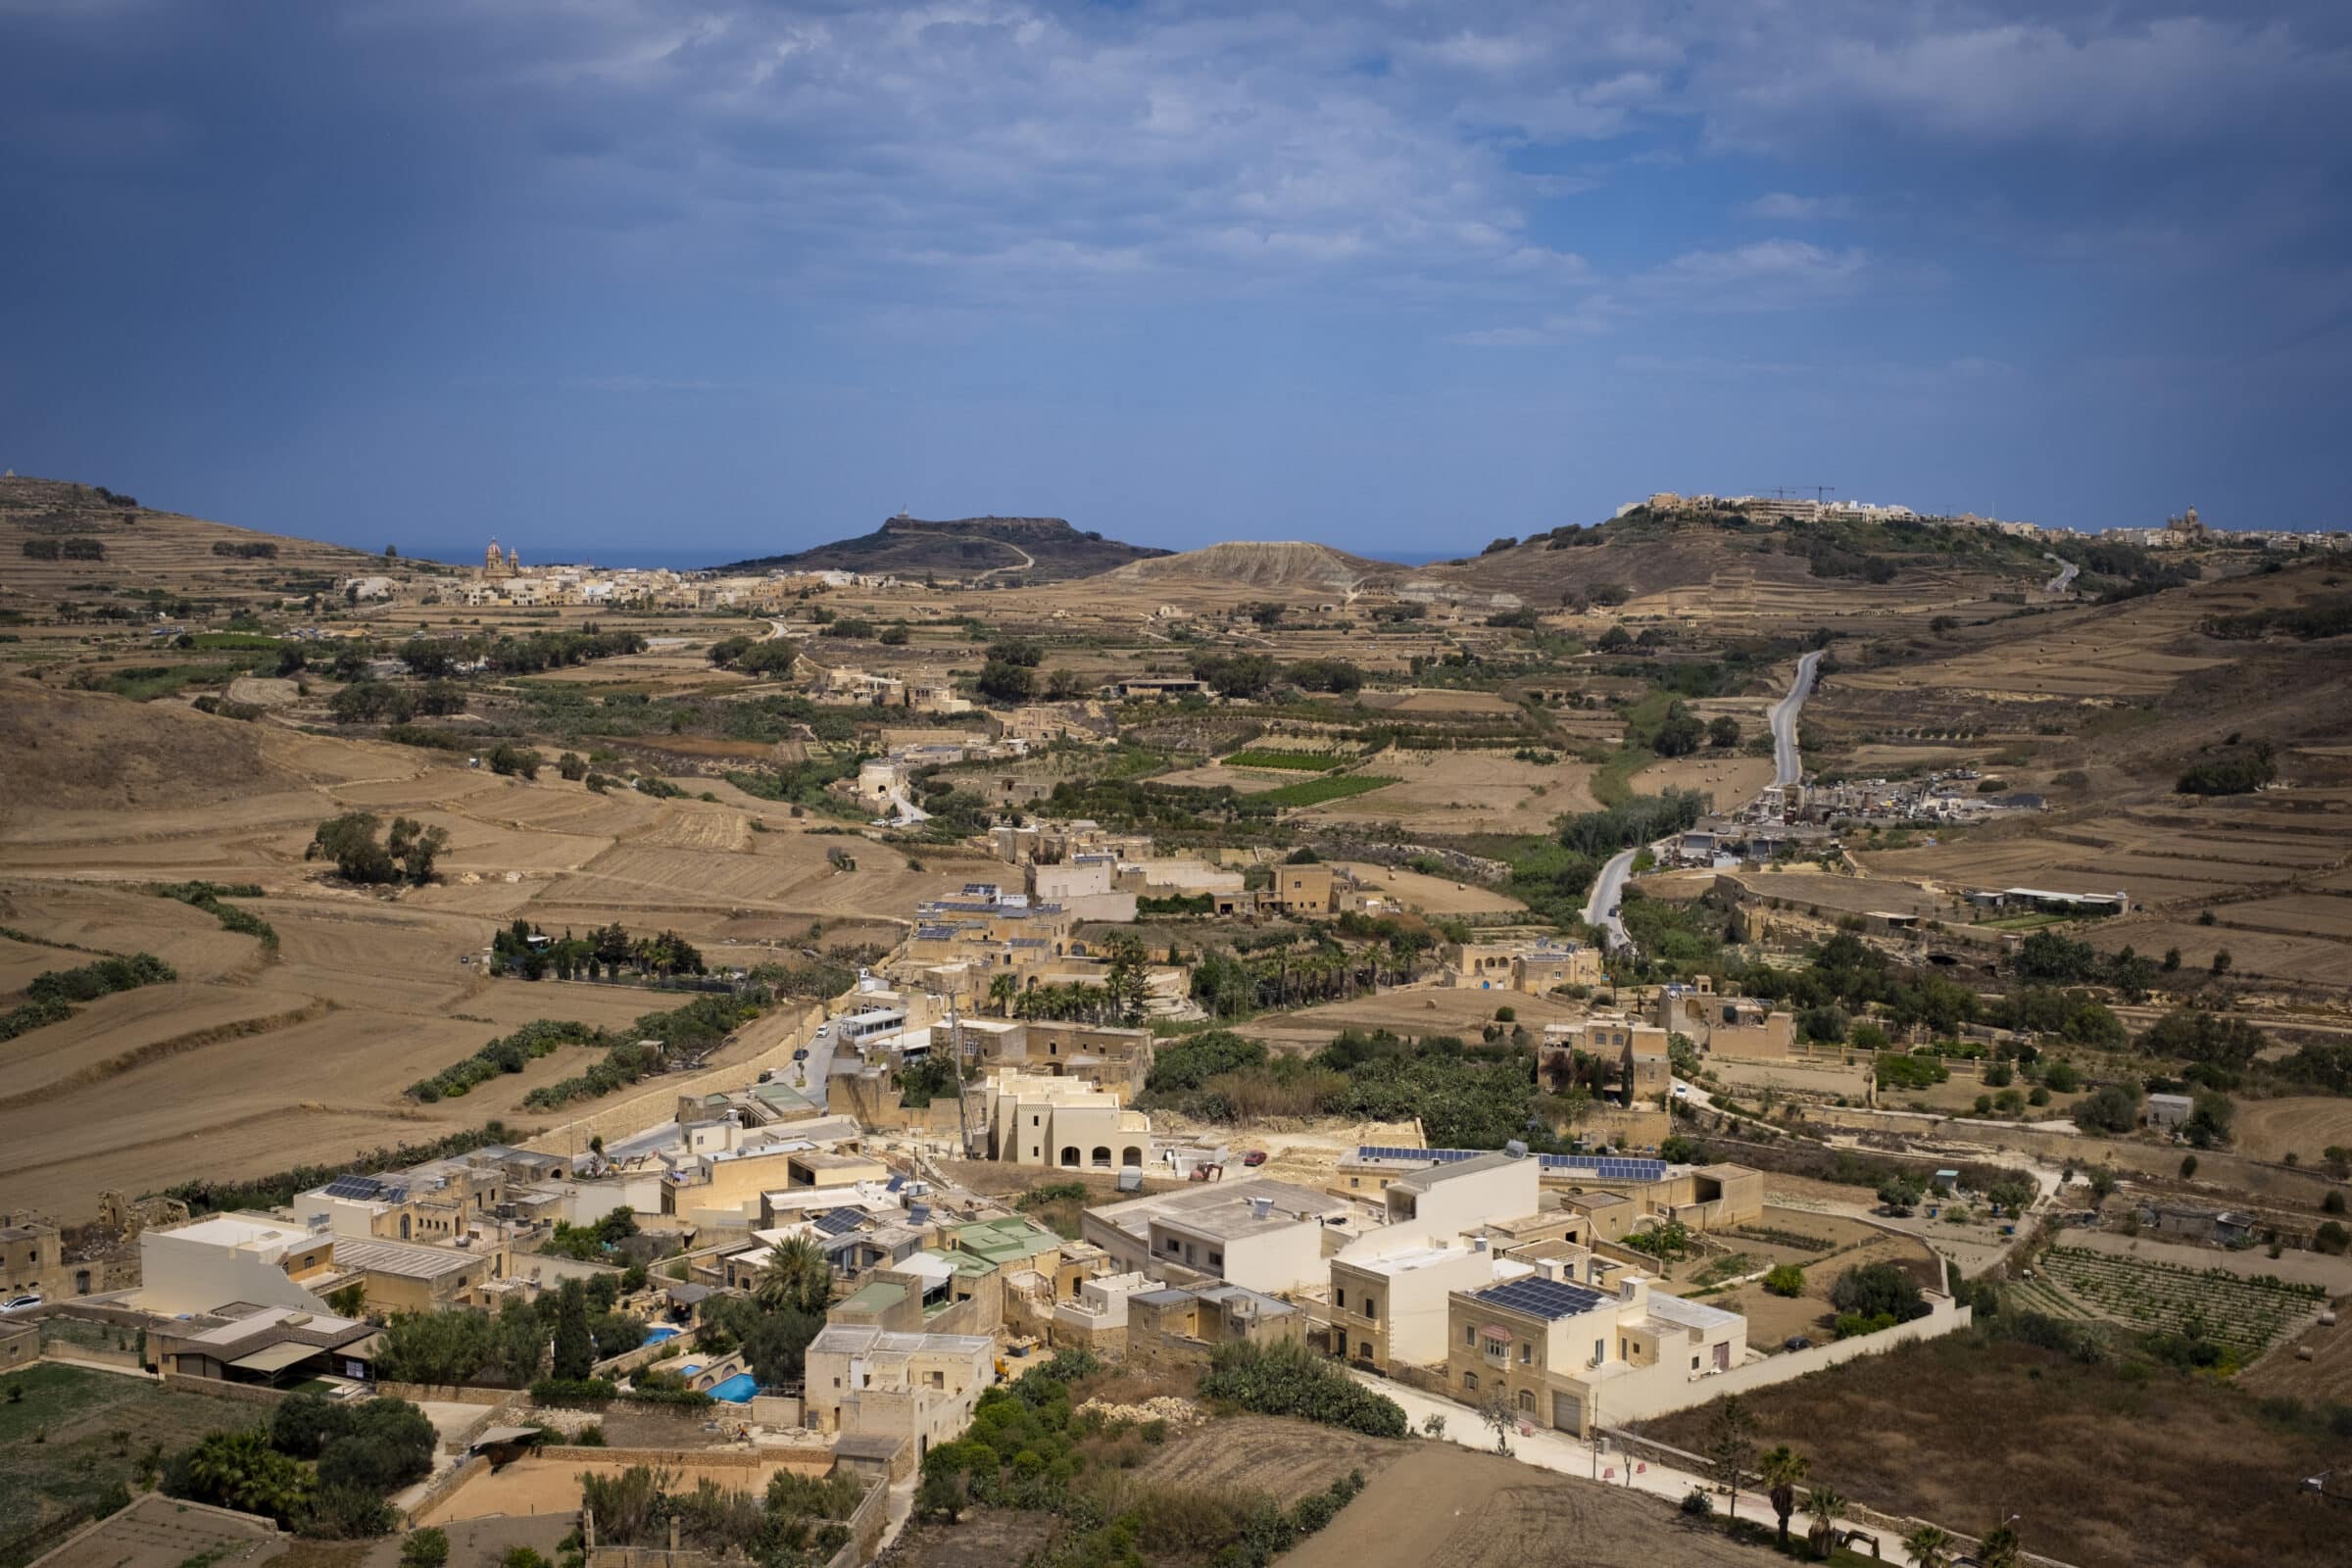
x=1315, y=791
x=75, y=1438
x=1303, y=762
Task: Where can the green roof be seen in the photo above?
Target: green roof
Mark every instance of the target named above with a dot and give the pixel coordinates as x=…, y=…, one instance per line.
x=1004, y=1241
x=875, y=1297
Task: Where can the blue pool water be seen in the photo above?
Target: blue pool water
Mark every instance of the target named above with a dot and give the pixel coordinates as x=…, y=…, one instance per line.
x=687, y=1369
x=658, y=1333
x=737, y=1389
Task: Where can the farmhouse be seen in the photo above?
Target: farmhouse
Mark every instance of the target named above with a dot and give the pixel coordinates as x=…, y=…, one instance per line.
x=1571, y=1357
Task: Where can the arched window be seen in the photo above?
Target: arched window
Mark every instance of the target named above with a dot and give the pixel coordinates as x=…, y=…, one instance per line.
x=1101, y=1158
x=1069, y=1157
x=1131, y=1155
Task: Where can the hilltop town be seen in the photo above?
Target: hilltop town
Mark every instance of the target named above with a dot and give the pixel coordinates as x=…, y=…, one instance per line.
x=1745, y=1027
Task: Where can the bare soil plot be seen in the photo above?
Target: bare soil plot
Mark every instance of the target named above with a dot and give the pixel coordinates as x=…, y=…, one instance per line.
x=1727, y=780
x=1266, y=1454
x=2301, y=1125
x=2306, y=960
x=1442, y=1504
x=985, y=1537
x=2325, y=1378
x=2317, y=915
x=2127, y=1468
x=1432, y=894
x=1437, y=701
x=1470, y=791
x=1415, y=1012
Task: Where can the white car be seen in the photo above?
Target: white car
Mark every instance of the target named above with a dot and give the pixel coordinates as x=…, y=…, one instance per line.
x=18, y=1303
x=1682, y=1091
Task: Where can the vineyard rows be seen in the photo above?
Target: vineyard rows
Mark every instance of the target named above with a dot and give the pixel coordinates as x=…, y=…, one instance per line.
x=2230, y=1308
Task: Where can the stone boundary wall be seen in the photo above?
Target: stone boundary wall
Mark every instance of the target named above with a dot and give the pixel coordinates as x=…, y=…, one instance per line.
x=447, y=1487
x=1891, y=1527
x=447, y=1394
x=1619, y=1404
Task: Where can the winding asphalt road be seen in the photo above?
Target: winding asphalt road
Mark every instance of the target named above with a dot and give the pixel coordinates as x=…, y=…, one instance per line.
x=1608, y=888
x=2067, y=572
x=1786, y=766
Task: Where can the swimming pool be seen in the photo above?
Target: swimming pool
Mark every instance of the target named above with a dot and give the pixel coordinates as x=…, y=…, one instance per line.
x=657, y=1333
x=737, y=1389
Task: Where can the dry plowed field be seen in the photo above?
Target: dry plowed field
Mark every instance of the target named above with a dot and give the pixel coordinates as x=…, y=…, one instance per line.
x=1441, y=1505
x=1465, y=792
x=254, y=1060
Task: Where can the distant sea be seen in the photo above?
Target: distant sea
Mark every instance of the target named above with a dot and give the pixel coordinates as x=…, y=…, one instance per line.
x=677, y=559
x=692, y=560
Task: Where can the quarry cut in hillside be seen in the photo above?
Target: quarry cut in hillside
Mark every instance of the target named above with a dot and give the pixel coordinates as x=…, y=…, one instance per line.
x=1284, y=566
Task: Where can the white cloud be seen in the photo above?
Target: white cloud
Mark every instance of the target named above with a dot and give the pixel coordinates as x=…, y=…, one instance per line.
x=1781, y=206
x=1772, y=273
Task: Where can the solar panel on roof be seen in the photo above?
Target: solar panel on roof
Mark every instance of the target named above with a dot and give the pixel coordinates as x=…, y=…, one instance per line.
x=354, y=1187
x=1545, y=1298
x=839, y=1221
x=895, y=1183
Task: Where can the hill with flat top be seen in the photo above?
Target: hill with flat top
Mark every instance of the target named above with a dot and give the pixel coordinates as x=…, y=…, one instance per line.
x=1027, y=548
x=1283, y=565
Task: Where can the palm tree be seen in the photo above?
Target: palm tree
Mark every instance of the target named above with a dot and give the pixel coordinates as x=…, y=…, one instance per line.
x=1822, y=1506
x=1782, y=1468
x=1001, y=992
x=798, y=1277
x=1930, y=1548
x=1999, y=1549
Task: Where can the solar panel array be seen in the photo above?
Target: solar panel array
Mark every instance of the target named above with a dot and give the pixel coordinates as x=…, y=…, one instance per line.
x=839, y=1221
x=1604, y=1167
x=1607, y=1167
x=1545, y=1298
x=354, y=1187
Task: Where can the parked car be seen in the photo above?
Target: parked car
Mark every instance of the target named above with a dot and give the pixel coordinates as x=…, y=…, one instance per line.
x=18, y=1303
x=1254, y=1159
x=802, y=1055
x=1797, y=1342
x=1682, y=1091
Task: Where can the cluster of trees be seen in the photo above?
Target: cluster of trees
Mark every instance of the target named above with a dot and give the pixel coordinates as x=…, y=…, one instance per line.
x=81, y=548
x=591, y=1242
x=1875, y=1296
x=1009, y=673
x=259, y=550
x=694, y=1027
x=407, y=854
x=376, y=701
x=506, y=1053
x=561, y=1335
x=212, y=896
x=51, y=996
x=754, y=655
x=315, y=1466
x=2239, y=772
x=521, y=949
x=1230, y=986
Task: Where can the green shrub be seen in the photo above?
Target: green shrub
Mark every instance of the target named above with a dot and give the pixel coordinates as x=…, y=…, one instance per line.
x=1288, y=1379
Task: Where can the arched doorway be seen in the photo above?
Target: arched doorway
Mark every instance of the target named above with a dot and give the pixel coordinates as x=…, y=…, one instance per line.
x=1131, y=1155
x=1069, y=1157
x=1101, y=1158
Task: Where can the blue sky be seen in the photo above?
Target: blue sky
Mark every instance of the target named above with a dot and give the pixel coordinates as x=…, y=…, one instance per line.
x=633, y=275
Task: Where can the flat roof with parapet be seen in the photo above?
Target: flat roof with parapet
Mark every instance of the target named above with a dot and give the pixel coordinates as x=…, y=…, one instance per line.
x=858, y=1339
x=1006, y=1240
x=235, y=1230
x=1689, y=1314
x=1219, y=1211
x=398, y=1257
x=1421, y=1181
